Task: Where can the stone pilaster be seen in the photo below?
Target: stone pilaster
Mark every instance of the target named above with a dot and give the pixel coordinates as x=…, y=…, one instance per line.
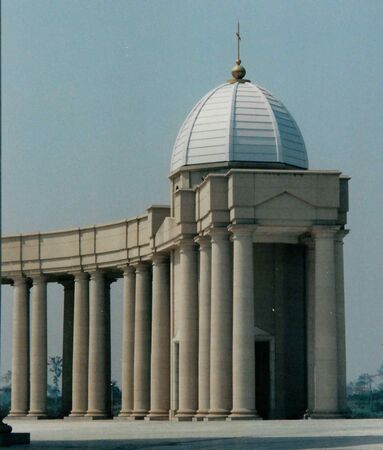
x=243, y=325
x=127, y=386
x=97, y=376
x=20, y=348
x=160, y=356
x=204, y=305
x=221, y=326
x=67, y=346
x=80, y=345
x=188, y=341
x=326, y=365
x=142, y=342
x=38, y=393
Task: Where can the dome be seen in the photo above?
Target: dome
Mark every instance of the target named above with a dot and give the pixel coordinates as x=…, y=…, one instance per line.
x=239, y=122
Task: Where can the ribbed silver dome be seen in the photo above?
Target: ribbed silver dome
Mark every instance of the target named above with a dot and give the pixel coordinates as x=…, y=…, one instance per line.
x=239, y=122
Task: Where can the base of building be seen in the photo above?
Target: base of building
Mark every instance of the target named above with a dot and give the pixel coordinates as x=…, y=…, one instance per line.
x=91, y=416
x=122, y=417
x=183, y=418
x=199, y=417
x=8, y=439
x=76, y=417
x=327, y=415
x=135, y=417
x=215, y=417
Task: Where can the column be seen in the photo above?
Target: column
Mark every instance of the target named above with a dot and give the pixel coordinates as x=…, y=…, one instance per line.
x=204, y=295
x=160, y=357
x=188, y=341
x=142, y=341
x=128, y=342
x=325, y=325
x=20, y=348
x=340, y=316
x=67, y=346
x=108, y=350
x=243, y=325
x=80, y=345
x=38, y=394
x=221, y=326
x=310, y=310
x=97, y=376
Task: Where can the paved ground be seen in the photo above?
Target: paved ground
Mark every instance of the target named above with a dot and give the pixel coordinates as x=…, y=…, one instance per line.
x=259, y=435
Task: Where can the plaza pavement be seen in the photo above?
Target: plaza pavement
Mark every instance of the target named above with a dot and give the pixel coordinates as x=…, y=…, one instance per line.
x=259, y=435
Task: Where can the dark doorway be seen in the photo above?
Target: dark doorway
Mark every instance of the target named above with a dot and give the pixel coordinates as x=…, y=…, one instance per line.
x=262, y=378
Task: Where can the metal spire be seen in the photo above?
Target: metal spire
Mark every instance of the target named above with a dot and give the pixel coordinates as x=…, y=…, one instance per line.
x=238, y=71
x=238, y=45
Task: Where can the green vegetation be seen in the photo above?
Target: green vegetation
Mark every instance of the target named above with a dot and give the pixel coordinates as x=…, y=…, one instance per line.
x=365, y=396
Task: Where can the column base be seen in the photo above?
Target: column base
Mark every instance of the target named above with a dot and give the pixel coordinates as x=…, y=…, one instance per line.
x=139, y=414
x=184, y=416
x=37, y=415
x=17, y=414
x=243, y=415
x=156, y=416
x=200, y=416
x=97, y=415
x=124, y=415
x=8, y=439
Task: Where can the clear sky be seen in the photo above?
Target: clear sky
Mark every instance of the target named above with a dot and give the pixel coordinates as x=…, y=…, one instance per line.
x=94, y=93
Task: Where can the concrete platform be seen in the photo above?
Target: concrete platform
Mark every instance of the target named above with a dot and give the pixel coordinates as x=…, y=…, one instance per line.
x=337, y=434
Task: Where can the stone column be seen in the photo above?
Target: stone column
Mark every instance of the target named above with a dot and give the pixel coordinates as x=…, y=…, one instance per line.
x=204, y=297
x=310, y=313
x=326, y=339
x=38, y=395
x=128, y=342
x=80, y=345
x=20, y=348
x=188, y=341
x=142, y=341
x=67, y=346
x=160, y=358
x=108, y=350
x=221, y=342
x=340, y=316
x=243, y=325
x=97, y=376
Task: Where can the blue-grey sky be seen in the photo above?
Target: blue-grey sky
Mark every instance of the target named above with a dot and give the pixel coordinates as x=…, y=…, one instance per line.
x=94, y=93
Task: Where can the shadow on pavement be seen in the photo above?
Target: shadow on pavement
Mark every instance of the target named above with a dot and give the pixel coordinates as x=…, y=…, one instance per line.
x=248, y=443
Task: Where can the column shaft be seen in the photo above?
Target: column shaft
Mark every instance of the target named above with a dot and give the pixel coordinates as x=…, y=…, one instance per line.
x=127, y=386
x=340, y=315
x=80, y=345
x=38, y=395
x=67, y=347
x=204, y=298
x=221, y=326
x=310, y=324
x=20, y=348
x=325, y=352
x=160, y=358
x=188, y=341
x=97, y=377
x=142, y=342
x=243, y=326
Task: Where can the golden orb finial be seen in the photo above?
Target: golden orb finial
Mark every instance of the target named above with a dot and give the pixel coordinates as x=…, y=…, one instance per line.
x=238, y=71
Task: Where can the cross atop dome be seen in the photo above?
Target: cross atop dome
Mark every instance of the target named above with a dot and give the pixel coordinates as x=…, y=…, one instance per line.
x=238, y=71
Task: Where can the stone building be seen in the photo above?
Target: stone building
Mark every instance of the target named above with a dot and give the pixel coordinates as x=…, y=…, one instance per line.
x=233, y=295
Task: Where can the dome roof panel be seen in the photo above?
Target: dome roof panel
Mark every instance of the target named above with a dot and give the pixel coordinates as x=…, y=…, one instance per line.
x=239, y=122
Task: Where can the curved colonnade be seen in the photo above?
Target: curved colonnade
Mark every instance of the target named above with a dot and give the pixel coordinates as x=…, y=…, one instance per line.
x=188, y=300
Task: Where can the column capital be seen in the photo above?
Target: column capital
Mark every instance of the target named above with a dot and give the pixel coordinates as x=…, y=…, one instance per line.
x=80, y=276
x=141, y=266
x=324, y=232
x=38, y=278
x=127, y=269
x=186, y=244
x=160, y=258
x=203, y=241
x=241, y=231
x=96, y=274
x=340, y=235
x=19, y=279
x=219, y=234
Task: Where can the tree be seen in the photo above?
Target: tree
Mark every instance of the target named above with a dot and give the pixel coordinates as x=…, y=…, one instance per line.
x=55, y=365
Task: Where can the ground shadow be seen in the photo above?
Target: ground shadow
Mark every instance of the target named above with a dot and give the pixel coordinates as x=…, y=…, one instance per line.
x=248, y=443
